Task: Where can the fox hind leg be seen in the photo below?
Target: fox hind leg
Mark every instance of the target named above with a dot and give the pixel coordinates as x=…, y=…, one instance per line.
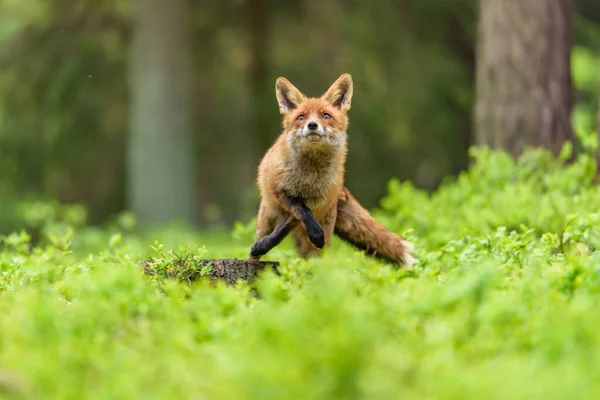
x=303, y=245
x=265, y=221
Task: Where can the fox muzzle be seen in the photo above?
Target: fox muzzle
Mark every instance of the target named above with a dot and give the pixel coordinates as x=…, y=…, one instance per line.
x=313, y=131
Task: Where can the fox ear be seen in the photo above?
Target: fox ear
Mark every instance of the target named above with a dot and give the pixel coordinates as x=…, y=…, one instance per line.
x=340, y=93
x=288, y=96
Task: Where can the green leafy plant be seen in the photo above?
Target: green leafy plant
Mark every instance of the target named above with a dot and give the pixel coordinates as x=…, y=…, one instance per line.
x=502, y=303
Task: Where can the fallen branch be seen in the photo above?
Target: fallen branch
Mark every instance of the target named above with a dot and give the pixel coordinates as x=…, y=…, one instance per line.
x=229, y=270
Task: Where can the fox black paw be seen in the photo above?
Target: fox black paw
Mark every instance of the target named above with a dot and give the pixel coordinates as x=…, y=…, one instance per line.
x=315, y=235
x=257, y=250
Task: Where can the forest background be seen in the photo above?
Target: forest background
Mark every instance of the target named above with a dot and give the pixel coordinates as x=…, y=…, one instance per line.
x=164, y=108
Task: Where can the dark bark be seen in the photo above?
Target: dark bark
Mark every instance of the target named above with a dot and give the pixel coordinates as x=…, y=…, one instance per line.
x=259, y=133
x=209, y=149
x=459, y=42
x=160, y=152
x=524, y=90
x=598, y=136
x=598, y=113
x=227, y=270
x=262, y=91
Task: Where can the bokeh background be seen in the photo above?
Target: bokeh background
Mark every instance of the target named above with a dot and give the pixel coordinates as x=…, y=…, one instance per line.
x=164, y=107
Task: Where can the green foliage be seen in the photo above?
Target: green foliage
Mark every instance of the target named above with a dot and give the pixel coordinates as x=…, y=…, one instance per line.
x=183, y=264
x=538, y=191
x=502, y=303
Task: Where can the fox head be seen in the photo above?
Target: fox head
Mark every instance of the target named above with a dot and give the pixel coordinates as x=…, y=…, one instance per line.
x=315, y=123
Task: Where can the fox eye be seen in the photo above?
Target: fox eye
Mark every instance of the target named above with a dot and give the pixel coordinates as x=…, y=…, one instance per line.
x=301, y=117
x=326, y=116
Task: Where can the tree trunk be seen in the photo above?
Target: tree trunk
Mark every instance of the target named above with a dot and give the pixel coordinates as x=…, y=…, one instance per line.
x=262, y=91
x=598, y=112
x=160, y=153
x=264, y=119
x=523, y=78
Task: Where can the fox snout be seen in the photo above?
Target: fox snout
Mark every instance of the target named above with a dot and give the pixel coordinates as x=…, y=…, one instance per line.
x=313, y=131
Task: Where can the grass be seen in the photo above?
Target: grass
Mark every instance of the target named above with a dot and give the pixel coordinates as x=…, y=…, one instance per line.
x=502, y=304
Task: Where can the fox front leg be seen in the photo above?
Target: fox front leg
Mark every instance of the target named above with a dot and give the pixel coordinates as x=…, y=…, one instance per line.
x=298, y=209
x=263, y=245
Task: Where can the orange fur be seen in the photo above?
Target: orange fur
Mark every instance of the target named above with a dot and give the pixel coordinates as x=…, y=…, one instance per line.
x=355, y=225
x=307, y=164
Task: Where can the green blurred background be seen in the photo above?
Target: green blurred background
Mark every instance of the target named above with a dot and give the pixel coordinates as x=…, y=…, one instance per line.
x=66, y=90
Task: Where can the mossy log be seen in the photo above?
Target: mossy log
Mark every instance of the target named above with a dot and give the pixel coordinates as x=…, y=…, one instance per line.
x=229, y=270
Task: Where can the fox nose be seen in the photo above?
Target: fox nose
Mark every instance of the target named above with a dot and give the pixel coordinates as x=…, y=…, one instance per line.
x=312, y=125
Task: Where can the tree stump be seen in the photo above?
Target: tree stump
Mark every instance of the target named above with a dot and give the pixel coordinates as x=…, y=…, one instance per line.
x=229, y=270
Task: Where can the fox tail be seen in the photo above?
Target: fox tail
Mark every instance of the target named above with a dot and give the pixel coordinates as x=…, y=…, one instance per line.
x=356, y=226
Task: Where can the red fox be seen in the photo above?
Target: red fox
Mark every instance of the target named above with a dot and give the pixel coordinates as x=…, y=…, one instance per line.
x=301, y=181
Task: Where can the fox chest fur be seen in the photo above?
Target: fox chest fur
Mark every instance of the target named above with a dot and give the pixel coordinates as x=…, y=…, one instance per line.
x=314, y=177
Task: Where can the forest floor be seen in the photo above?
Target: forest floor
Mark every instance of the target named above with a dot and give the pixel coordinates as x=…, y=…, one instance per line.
x=503, y=303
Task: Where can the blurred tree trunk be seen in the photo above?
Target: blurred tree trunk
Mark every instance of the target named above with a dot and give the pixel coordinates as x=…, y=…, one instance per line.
x=262, y=91
x=160, y=153
x=263, y=114
x=459, y=41
x=598, y=133
x=598, y=113
x=523, y=79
